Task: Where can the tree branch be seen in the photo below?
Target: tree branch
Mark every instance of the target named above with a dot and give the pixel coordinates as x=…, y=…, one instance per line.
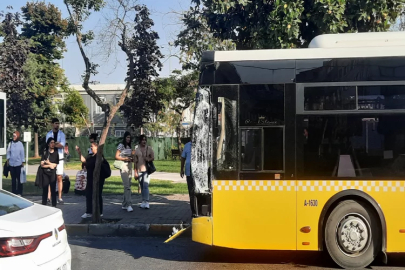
x=131, y=67
x=87, y=63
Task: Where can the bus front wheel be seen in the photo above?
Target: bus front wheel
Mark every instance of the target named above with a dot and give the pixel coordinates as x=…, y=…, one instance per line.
x=353, y=234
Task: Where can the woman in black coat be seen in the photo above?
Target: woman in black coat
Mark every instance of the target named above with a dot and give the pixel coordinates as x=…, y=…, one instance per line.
x=49, y=161
x=90, y=163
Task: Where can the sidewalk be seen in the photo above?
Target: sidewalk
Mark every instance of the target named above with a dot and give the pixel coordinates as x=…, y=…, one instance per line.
x=164, y=210
x=175, y=177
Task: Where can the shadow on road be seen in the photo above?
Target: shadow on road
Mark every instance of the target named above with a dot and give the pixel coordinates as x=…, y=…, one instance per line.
x=184, y=250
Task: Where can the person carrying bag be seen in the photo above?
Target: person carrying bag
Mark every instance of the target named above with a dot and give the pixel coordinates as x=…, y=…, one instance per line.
x=144, y=157
x=15, y=163
x=123, y=162
x=49, y=162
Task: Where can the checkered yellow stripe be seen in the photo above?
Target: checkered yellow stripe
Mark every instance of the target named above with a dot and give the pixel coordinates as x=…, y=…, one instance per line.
x=287, y=185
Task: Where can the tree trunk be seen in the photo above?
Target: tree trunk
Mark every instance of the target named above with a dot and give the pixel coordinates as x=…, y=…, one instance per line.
x=97, y=169
x=36, y=142
x=178, y=130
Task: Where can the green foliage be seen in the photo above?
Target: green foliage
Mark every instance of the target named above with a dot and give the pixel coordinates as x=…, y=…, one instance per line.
x=82, y=10
x=41, y=79
x=265, y=24
x=74, y=108
x=46, y=29
x=143, y=102
x=14, y=53
x=197, y=38
x=178, y=91
x=70, y=132
x=79, y=11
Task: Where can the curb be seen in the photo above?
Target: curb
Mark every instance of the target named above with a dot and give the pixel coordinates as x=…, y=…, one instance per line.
x=123, y=230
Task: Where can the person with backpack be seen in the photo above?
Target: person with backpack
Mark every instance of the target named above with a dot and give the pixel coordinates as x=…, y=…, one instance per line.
x=90, y=163
x=15, y=162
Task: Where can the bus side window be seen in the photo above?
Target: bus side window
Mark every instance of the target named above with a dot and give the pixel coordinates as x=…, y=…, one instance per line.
x=251, y=149
x=227, y=134
x=225, y=129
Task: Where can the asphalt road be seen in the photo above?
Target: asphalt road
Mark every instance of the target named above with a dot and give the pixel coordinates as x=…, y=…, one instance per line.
x=152, y=253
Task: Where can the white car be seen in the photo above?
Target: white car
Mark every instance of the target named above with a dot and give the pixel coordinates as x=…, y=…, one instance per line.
x=32, y=236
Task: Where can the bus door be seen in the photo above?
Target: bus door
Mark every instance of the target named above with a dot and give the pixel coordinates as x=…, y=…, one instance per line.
x=252, y=197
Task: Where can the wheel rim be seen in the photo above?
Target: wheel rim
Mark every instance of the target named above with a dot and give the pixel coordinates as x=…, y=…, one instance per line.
x=353, y=234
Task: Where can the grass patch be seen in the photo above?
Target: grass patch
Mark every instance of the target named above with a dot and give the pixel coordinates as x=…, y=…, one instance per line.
x=170, y=166
x=113, y=185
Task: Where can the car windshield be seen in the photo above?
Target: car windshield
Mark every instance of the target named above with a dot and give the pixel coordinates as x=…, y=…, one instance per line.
x=10, y=203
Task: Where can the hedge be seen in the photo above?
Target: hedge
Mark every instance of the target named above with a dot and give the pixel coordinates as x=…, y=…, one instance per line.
x=161, y=146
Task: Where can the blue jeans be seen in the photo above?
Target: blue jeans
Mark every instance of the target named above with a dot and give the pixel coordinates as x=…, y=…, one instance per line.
x=144, y=180
x=16, y=186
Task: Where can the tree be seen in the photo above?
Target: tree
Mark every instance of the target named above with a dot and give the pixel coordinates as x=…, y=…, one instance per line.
x=178, y=92
x=171, y=120
x=401, y=23
x=74, y=109
x=196, y=38
x=270, y=24
x=165, y=121
x=14, y=53
x=143, y=103
x=45, y=28
x=128, y=42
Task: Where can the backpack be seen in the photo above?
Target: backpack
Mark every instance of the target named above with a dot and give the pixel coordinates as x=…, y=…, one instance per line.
x=65, y=185
x=105, y=169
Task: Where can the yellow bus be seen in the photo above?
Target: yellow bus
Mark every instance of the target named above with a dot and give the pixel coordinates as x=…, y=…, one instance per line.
x=303, y=149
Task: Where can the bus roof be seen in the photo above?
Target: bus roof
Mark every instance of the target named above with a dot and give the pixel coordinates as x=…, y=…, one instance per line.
x=353, y=45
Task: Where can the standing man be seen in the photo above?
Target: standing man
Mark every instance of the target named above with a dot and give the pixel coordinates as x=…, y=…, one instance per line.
x=60, y=141
x=186, y=160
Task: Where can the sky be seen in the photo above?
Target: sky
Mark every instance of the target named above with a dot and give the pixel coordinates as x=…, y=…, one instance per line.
x=167, y=25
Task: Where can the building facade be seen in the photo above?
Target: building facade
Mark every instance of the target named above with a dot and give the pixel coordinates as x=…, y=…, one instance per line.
x=111, y=93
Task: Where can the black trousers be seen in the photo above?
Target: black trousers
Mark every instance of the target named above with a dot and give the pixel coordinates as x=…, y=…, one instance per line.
x=16, y=186
x=190, y=185
x=53, y=192
x=89, y=196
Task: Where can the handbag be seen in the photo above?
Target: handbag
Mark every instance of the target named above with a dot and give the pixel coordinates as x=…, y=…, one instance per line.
x=23, y=176
x=47, y=171
x=6, y=170
x=150, y=167
x=118, y=164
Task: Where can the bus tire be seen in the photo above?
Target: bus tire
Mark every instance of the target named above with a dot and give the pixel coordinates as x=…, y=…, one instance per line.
x=353, y=234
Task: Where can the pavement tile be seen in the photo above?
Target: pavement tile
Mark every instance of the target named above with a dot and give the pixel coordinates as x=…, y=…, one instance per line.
x=171, y=209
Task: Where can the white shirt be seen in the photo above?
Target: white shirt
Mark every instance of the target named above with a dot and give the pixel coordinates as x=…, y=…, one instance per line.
x=61, y=139
x=15, y=154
